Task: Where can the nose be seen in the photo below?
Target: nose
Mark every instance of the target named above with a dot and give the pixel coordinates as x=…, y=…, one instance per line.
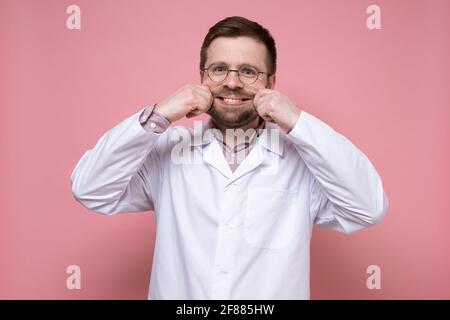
x=232, y=80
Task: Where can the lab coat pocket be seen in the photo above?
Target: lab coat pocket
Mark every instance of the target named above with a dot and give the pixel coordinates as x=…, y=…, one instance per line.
x=269, y=217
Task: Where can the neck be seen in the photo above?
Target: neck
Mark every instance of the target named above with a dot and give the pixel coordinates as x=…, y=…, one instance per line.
x=237, y=135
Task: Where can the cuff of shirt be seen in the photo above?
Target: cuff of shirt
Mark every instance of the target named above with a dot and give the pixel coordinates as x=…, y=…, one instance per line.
x=152, y=121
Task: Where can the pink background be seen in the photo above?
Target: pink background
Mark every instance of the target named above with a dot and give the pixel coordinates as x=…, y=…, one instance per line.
x=386, y=90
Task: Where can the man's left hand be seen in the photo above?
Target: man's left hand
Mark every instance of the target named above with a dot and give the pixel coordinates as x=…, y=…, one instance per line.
x=273, y=106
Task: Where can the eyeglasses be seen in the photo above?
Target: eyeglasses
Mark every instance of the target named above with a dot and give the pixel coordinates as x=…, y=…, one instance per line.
x=218, y=72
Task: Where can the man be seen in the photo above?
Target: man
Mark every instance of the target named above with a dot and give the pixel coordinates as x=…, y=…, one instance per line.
x=236, y=222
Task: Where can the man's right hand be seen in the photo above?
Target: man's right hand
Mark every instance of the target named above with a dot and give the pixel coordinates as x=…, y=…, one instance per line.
x=190, y=100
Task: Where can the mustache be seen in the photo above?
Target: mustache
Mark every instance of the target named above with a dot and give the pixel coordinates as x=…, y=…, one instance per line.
x=239, y=93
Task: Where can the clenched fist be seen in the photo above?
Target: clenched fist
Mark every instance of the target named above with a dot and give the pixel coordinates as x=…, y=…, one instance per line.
x=273, y=106
x=190, y=100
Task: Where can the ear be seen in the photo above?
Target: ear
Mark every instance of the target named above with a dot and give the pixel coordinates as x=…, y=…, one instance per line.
x=271, y=81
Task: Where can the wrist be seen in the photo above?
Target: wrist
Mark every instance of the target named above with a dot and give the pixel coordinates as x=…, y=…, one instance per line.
x=160, y=111
x=293, y=121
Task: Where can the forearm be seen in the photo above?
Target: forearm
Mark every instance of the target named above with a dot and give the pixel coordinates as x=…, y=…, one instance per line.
x=104, y=173
x=345, y=174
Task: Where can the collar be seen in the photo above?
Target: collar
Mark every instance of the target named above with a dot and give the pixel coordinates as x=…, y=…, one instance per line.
x=270, y=135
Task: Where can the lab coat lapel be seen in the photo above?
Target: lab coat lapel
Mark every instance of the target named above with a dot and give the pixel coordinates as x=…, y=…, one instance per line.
x=268, y=145
x=211, y=151
x=252, y=161
x=213, y=155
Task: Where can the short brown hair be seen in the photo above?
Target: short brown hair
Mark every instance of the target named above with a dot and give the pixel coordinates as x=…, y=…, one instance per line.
x=232, y=27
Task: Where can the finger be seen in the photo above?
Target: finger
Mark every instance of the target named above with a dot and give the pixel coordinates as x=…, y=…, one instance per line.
x=260, y=104
x=203, y=89
x=261, y=93
x=262, y=112
x=195, y=112
x=209, y=98
x=264, y=98
x=205, y=92
x=264, y=108
x=198, y=106
x=203, y=102
x=268, y=119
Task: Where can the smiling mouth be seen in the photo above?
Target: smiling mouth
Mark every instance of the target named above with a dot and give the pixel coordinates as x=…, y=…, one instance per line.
x=232, y=101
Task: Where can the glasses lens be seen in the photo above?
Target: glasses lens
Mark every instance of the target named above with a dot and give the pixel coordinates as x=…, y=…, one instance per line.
x=217, y=72
x=248, y=75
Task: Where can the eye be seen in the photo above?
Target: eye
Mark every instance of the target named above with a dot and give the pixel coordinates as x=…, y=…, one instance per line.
x=219, y=68
x=248, y=72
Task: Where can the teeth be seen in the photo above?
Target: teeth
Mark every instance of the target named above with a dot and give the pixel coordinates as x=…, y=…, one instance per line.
x=231, y=100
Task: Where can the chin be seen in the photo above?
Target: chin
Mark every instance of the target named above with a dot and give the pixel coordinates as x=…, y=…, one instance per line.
x=233, y=119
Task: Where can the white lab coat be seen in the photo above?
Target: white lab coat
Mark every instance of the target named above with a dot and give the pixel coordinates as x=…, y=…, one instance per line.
x=232, y=235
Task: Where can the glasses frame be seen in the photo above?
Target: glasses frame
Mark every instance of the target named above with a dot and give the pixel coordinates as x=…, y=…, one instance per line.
x=234, y=70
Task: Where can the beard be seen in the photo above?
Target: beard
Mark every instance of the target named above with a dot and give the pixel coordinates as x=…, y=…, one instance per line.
x=235, y=117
